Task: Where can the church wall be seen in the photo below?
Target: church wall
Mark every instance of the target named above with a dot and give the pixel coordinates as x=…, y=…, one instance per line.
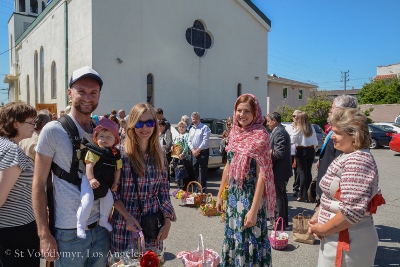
x=149, y=37
x=49, y=34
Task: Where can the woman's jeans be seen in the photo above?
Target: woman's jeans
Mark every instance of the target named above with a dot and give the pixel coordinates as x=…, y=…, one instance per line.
x=305, y=158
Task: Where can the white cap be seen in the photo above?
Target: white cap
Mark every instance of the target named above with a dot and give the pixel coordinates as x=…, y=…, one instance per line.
x=85, y=72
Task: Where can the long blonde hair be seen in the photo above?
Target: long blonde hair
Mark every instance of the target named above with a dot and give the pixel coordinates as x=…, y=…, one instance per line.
x=304, y=124
x=132, y=148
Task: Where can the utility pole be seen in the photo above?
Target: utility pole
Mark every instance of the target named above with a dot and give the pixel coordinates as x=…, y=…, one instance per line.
x=345, y=78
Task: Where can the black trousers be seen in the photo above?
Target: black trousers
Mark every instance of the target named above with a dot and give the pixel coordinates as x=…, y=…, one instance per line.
x=20, y=246
x=282, y=205
x=305, y=159
x=296, y=181
x=184, y=182
x=200, y=167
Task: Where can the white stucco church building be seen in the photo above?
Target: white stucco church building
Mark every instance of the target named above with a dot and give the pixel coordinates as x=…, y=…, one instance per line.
x=180, y=55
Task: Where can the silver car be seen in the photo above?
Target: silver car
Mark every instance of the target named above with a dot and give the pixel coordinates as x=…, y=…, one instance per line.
x=215, y=158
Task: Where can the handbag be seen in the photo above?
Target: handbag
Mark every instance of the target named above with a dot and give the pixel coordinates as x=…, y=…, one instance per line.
x=300, y=229
x=152, y=223
x=180, y=171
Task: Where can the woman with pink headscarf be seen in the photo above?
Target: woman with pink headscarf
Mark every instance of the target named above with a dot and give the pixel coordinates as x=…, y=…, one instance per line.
x=251, y=189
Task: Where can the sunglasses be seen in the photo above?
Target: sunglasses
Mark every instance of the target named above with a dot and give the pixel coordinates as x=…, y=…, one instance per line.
x=149, y=123
x=294, y=116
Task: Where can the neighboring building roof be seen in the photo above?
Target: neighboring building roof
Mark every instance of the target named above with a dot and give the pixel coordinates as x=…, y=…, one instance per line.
x=384, y=76
x=276, y=79
x=353, y=92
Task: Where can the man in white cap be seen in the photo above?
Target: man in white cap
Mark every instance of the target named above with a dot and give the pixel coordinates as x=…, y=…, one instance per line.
x=54, y=150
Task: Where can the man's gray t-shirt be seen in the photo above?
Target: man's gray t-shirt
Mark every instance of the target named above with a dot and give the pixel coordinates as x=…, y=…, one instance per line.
x=54, y=142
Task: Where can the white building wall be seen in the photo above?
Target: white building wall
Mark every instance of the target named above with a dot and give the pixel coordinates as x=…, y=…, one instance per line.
x=390, y=69
x=275, y=93
x=149, y=36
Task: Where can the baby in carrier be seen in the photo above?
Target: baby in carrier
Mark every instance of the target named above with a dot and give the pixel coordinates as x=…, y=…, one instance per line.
x=103, y=169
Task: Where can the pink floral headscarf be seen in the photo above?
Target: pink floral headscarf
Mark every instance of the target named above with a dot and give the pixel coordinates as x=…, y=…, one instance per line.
x=249, y=143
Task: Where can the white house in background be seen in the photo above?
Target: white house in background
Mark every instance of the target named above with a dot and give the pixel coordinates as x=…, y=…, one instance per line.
x=282, y=91
x=180, y=55
x=387, y=72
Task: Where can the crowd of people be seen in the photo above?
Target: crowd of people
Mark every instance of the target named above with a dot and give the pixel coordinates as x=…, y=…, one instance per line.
x=127, y=161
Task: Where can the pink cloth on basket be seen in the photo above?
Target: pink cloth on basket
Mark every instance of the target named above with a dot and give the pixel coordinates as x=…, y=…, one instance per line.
x=195, y=258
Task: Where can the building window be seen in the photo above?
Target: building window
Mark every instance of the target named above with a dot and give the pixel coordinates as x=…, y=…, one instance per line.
x=285, y=91
x=43, y=5
x=35, y=67
x=41, y=75
x=34, y=6
x=301, y=94
x=150, y=89
x=239, y=89
x=28, y=94
x=53, y=80
x=21, y=6
x=199, y=38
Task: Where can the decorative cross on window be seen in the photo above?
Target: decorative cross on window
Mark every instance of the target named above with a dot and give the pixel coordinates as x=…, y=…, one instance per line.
x=199, y=38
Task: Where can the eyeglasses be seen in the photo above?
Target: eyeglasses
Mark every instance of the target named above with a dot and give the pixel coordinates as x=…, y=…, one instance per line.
x=294, y=116
x=30, y=122
x=149, y=123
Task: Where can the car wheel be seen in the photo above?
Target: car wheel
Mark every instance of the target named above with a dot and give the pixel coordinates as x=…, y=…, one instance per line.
x=374, y=144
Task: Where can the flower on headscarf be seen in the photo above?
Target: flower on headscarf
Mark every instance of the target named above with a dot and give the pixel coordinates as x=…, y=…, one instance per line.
x=149, y=259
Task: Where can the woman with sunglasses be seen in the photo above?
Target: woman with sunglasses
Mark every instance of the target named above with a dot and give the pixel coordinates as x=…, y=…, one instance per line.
x=18, y=233
x=305, y=139
x=143, y=164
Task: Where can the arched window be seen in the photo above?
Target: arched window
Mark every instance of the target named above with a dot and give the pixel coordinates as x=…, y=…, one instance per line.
x=35, y=67
x=21, y=6
x=150, y=89
x=53, y=80
x=34, y=6
x=41, y=75
x=28, y=95
x=239, y=89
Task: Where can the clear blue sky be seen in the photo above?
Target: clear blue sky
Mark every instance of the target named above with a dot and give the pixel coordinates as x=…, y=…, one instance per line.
x=310, y=40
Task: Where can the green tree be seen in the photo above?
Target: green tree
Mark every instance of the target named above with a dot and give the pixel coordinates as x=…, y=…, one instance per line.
x=380, y=92
x=317, y=107
x=286, y=113
x=367, y=113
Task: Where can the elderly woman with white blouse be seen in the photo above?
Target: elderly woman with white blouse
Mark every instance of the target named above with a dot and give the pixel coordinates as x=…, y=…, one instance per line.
x=350, y=196
x=304, y=137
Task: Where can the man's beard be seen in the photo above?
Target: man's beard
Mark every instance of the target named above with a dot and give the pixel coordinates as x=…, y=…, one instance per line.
x=78, y=108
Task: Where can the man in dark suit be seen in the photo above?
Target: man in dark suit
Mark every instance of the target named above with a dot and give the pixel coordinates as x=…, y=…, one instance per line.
x=328, y=152
x=282, y=164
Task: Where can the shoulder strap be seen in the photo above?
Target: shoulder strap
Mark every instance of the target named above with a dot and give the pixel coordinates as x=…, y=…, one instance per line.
x=72, y=176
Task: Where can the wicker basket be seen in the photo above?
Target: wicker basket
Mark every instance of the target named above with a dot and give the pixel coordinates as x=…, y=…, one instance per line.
x=209, y=208
x=278, y=244
x=198, y=198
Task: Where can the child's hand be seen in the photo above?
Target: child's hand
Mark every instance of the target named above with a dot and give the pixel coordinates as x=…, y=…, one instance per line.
x=114, y=187
x=94, y=183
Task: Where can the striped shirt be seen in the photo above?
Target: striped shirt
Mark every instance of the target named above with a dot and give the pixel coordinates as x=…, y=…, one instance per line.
x=17, y=210
x=356, y=174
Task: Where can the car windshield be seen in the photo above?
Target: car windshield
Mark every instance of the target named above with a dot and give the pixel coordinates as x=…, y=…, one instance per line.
x=384, y=127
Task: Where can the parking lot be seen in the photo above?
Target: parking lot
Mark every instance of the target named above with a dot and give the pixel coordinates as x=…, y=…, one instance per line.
x=184, y=232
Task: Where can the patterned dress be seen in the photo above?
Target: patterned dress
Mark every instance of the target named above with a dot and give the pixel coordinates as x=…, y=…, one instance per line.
x=244, y=247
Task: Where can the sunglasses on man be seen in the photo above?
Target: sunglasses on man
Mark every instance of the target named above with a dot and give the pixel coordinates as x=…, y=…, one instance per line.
x=149, y=123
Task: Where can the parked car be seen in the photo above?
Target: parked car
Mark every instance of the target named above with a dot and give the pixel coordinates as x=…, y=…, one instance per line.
x=215, y=158
x=389, y=126
x=397, y=119
x=380, y=137
x=216, y=126
x=395, y=143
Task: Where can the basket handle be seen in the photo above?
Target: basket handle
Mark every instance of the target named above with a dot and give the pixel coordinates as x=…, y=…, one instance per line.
x=200, y=242
x=194, y=182
x=276, y=225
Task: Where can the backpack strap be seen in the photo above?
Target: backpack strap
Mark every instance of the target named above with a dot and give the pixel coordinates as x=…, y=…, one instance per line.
x=72, y=176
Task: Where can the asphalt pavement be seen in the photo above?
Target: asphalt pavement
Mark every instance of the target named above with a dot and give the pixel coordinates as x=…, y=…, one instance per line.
x=184, y=232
